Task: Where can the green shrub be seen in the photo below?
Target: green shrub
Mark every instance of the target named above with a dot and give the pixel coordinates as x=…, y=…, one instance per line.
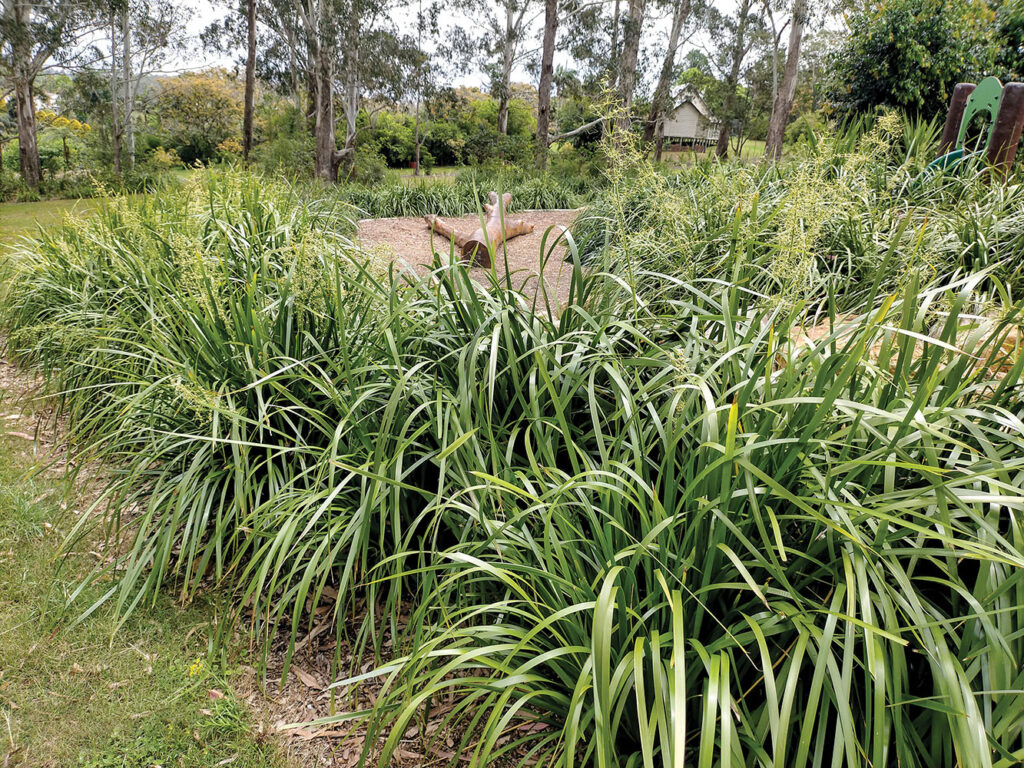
x=161, y=159
x=804, y=127
x=11, y=185
x=426, y=160
x=288, y=156
x=367, y=168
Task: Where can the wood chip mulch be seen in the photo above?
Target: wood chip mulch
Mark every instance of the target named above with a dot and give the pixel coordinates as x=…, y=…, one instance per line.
x=409, y=242
x=290, y=709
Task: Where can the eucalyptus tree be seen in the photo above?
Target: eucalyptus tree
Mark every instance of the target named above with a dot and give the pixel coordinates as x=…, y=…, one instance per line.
x=34, y=35
x=680, y=12
x=336, y=52
x=426, y=68
x=605, y=41
x=141, y=35
x=776, y=32
x=8, y=126
x=735, y=35
x=627, y=63
x=592, y=34
x=320, y=23
x=351, y=46
x=547, y=69
x=250, y=78
x=783, y=101
x=279, y=37
x=503, y=35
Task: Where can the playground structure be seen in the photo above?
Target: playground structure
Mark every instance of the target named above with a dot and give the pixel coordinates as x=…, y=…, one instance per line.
x=1004, y=108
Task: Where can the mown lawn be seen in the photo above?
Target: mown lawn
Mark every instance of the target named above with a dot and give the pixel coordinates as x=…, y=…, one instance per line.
x=20, y=218
x=753, y=149
x=444, y=173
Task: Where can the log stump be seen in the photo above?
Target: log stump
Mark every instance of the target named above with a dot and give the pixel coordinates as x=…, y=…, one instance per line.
x=478, y=246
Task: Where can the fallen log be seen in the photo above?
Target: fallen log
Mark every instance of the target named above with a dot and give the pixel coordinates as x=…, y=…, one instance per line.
x=447, y=230
x=478, y=246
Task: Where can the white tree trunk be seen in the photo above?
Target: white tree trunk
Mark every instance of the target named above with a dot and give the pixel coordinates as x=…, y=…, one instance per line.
x=613, y=51
x=293, y=69
x=128, y=110
x=507, y=60
x=114, y=87
x=661, y=92
x=353, y=86
x=28, y=149
x=22, y=80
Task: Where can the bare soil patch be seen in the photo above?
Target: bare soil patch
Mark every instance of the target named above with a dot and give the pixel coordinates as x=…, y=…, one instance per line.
x=289, y=708
x=409, y=242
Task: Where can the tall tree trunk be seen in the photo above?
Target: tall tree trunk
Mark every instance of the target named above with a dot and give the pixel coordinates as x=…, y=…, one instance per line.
x=722, y=147
x=776, y=34
x=128, y=109
x=659, y=141
x=661, y=92
x=503, y=110
x=353, y=85
x=739, y=50
x=293, y=69
x=312, y=88
x=353, y=90
x=505, y=84
x=419, y=82
x=416, y=159
x=613, y=52
x=784, y=99
x=22, y=81
x=114, y=119
x=814, y=88
x=630, y=54
x=250, y=78
x=547, y=70
x=326, y=166
x=28, y=149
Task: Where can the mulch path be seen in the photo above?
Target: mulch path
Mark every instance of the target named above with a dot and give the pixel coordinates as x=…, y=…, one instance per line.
x=409, y=242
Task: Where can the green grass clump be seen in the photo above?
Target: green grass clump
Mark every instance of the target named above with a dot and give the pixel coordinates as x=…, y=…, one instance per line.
x=465, y=196
x=657, y=529
x=823, y=224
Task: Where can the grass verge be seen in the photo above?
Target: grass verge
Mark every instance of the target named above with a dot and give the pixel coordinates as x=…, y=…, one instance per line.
x=83, y=694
